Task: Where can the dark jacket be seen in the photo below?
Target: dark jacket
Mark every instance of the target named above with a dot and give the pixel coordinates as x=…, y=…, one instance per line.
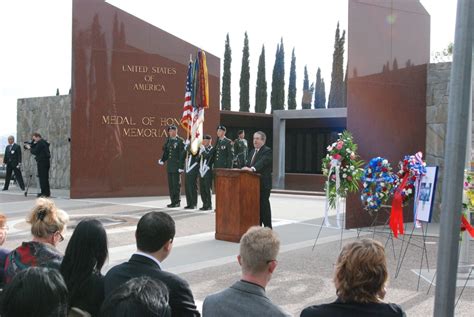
x=174, y=154
x=40, y=150
x=341, y=309
x=12, y=155
x=263, y=164
x=31, y=254
x=181, y=298
x=224, y=153
x=90, y=295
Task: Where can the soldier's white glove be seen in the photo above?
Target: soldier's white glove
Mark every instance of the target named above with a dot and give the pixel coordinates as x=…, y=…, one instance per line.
x=202, y=149
x=18, y=166
x=160, y=162
x=180, y=170
x=187, y=142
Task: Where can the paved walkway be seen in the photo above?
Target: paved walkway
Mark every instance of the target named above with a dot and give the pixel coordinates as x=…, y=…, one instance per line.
x=303, y=276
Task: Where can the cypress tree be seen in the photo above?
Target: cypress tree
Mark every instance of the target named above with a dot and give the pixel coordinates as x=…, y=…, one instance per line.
x=307, y=94
x=261, y=91
x=281, y=75
x=318, y=102
x=245, y=77
x=226, y=75
x=292, y=83
x=273, y=94
x=323, y=94
x=337, y=77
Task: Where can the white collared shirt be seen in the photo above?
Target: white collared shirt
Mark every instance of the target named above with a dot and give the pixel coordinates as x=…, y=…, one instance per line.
x=146, y=255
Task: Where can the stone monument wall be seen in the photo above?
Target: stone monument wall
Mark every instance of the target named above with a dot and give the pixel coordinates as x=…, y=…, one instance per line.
x=51, y=117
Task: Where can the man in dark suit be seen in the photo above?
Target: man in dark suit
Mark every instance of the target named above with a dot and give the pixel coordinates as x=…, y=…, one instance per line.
x=174, y=155
x=154, y=237
x=40, y=149
x=258, y=260
x=12, y=159
x=260, y=160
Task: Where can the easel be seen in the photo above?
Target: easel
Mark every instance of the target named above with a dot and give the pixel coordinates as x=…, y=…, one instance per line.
x=341, y=227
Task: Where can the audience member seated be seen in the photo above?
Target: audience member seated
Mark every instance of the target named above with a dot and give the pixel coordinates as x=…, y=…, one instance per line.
x=35, y=292
x=85, y=255
x=3, y=238
x=258, y=259
x=48, y=226
x=154, y=237
x=360, y=278
x=140, y=296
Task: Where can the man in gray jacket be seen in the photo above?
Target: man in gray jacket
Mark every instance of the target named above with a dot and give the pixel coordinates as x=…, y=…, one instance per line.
x=258, y=252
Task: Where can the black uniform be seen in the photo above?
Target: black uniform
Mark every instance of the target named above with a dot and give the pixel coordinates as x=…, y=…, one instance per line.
x=192, y=172
x=206, y=158
x=12, y=159
x=42, y=155
x=224, y=153
x=173, y=154
x=240, y=151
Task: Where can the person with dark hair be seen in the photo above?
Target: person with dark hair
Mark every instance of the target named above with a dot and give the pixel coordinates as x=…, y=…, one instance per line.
x=85, y=256
x=35, y=292
x=206, y=162
x=224, y=153
x=140, y=296
x=154, y=236
x=12, y=159
x=240, y=150
x=40, y=149
x=360, y=278
x=260, y=161
x=48, y=226
x=173, y=155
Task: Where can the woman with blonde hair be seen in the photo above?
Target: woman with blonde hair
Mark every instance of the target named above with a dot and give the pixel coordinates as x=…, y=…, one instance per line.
x=48, y=226
x=360, y=278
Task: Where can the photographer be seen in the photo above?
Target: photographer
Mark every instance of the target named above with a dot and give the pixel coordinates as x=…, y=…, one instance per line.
x=12, y=159
x=40, y=149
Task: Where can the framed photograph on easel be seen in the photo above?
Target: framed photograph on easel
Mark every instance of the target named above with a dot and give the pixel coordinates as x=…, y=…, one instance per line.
x=425, y=193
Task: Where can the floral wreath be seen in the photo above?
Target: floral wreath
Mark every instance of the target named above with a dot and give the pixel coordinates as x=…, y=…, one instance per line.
x=343, y=154
x=412, y=167
x=378, y=180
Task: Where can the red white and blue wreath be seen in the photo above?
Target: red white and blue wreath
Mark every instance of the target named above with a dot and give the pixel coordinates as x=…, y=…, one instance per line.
x=378, y=182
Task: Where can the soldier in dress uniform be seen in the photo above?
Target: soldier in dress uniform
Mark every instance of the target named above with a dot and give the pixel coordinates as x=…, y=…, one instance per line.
x=224, y=151
x=173, y=154
x=206, y=160
x=191, y=176
x=240, y=150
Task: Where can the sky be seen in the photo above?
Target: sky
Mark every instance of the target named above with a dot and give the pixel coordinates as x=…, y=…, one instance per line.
x=36, y=35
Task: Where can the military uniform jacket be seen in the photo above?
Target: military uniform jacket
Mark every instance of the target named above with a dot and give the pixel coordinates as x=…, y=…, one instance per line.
x=240, y=150
x=224, y=153
x=12, y=155
x=192, y=162
x=207, y=158
x=174, y=154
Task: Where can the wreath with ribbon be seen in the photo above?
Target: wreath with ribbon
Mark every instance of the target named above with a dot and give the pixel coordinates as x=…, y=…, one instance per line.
x=378, y=181
x=342, y=167
x=411, y=169
x=467, y=203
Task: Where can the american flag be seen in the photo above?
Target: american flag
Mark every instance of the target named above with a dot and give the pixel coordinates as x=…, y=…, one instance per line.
x=186, y=119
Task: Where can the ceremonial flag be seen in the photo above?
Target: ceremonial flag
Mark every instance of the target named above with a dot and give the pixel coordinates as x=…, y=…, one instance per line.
x=186, y=119
x=200, y=100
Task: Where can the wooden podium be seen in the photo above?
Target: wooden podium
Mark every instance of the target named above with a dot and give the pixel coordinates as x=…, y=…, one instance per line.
x=237, y=203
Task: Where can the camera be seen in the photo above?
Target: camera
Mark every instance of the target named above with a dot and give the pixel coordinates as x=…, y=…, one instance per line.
x=27, y=143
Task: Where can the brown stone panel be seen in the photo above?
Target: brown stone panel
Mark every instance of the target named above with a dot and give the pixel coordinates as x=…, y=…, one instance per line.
x=388, y=52
x=128, y=85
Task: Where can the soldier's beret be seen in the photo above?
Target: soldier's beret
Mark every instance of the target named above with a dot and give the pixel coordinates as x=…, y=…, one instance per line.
x=207, y=137
x=221, y=127
x=172, y=127
x=240, y=132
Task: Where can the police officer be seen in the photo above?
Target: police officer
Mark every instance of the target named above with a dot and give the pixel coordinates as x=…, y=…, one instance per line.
x=191, y=177
x=206, y=160
x=240, y=150
x=173, y=154
x=12, y=159
x=224, y=151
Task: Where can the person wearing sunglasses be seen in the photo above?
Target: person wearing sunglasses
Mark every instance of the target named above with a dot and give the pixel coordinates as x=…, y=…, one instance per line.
x=48, y=227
